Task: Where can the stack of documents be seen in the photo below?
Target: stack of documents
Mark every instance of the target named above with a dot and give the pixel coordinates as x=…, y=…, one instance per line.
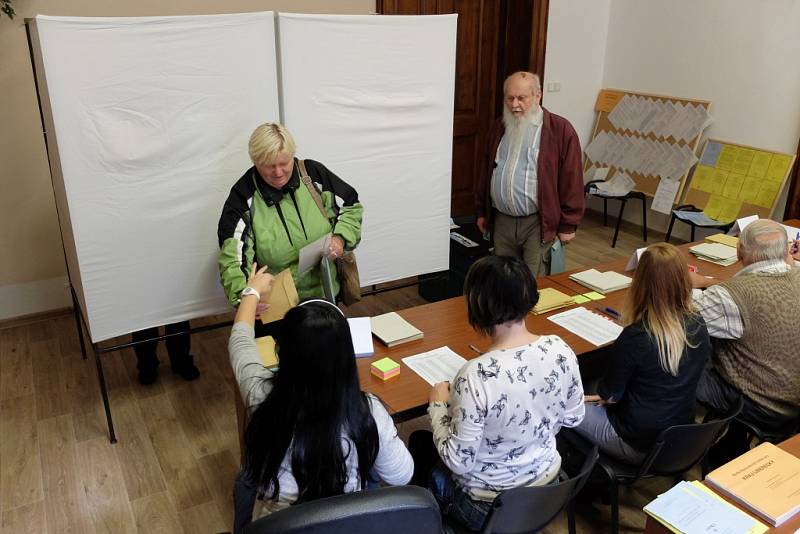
x=724, y=239
x=592, y=327
x=715, y=253
x=266, y=352
x=601, y=282
x=551, y=299
x=393, y=329
x=691, y=507
x=437, y=365
x=765, y=479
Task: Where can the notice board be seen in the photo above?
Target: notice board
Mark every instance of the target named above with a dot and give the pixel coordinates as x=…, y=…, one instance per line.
x=649, y=137
x=733, y=181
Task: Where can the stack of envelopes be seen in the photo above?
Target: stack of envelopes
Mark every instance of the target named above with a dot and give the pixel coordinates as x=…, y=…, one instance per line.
x=601, y=282
x=551, y=299
x=715, y=253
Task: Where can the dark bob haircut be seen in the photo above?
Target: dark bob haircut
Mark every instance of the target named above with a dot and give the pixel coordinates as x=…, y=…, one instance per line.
x=498, y=289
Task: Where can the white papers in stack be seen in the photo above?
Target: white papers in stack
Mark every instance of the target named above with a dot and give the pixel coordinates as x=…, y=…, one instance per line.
x=601, y=282
x=592, y=327
x=715, y=253
x=362, y=336
x=618, y=186
x=437, y=365
x=393, y=329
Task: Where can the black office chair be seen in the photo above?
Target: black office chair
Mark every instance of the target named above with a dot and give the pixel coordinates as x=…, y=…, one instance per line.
x=589, y=189
x=692, y=208
x=773, y=435
x=530, y=509
x=393, y=510
x=676, y=450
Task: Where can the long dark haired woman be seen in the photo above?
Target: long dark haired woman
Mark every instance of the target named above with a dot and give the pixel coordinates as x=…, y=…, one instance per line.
x=312, y=432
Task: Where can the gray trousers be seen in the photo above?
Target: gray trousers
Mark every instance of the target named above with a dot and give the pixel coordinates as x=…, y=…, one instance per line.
x=522, y=237
x=596, y=428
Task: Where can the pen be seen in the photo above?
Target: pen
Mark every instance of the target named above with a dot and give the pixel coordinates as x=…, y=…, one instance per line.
x=610, y=311
x=473, y=347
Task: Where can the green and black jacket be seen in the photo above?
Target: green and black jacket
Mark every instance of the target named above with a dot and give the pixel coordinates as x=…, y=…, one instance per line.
x=271, y=226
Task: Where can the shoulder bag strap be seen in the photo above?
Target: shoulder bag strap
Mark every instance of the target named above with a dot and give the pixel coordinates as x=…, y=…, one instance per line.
x=311, y=189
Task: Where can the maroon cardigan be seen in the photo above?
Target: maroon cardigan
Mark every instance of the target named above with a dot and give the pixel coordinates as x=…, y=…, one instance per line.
x=560, y=196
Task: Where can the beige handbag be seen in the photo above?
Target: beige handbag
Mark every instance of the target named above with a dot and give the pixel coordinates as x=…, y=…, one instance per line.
x=346, y=267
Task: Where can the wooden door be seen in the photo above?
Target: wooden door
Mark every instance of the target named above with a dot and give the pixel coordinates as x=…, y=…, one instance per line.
x=495, y=38
x=476, y=63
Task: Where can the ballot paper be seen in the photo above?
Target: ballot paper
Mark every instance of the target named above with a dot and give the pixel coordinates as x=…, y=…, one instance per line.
x=665, y=195
x=592, y=327
x=311, y=254
x=437, y=365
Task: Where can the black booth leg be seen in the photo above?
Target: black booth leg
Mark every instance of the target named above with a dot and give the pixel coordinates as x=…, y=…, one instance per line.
x=571, y=516
x=101, y=378
x=669, y=228
x=644, y=219
x=614, y=508
x=619, y=221
x=605, y=211
x=692, y=239
x=78, y=326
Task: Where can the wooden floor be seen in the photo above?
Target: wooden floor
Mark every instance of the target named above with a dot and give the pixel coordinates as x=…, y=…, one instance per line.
x=178, y=450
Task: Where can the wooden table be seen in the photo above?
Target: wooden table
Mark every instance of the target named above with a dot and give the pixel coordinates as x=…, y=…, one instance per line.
x=445, y=323
x=791, y=445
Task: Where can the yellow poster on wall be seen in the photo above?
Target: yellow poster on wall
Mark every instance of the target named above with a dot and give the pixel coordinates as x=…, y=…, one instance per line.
x=732, y=181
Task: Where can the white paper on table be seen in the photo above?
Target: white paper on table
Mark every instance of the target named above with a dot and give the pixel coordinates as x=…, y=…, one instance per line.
x=311, y=254
x=437, y=365
x=665, y=196
x=361, y=332
x=592, y=327
x=741, y=224
x=635, y=257
x=792, y=233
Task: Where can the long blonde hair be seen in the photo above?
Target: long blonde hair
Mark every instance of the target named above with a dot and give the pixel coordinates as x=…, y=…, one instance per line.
x=661, y=297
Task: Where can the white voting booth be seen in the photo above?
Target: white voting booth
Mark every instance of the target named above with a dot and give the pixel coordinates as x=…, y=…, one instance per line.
x=147, y=121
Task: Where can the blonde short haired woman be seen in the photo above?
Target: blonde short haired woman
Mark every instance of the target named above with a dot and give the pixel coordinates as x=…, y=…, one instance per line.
x=655, y=363
x=271, y=214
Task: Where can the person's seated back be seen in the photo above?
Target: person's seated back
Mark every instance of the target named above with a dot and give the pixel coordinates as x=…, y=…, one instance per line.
x=312, y=433
x=655, y=364
x=494, y=427
x=753, y=317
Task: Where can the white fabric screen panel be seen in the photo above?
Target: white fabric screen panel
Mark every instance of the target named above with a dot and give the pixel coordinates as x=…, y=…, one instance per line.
x=371, y=97
x=148, y=120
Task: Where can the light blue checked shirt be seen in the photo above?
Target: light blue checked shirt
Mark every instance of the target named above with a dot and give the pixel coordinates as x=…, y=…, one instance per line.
x=514, y=180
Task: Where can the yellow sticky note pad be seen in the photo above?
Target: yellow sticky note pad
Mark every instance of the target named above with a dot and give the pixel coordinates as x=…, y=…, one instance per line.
x=713, y=206
x=760, y=164
x=701, y=179
x=749, y=191
x=727, y=157
x=594, y=295
x=718, y=182
x=732, y=186
x=778, y=167
x=581, y=299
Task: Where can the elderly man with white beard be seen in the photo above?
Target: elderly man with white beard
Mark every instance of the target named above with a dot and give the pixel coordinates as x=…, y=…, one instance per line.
x=531, y=190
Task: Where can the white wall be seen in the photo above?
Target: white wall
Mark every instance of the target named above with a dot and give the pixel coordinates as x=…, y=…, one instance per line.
x=574, y=58
x=742, y=55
